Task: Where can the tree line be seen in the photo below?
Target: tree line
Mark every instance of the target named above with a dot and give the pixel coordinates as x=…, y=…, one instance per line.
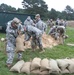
x=40, y=7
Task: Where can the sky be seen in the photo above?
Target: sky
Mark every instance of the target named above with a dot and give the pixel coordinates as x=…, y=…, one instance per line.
x=58, y=5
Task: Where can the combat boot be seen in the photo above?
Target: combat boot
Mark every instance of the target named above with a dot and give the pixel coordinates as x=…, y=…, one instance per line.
x=9, y=65
x=41, y=50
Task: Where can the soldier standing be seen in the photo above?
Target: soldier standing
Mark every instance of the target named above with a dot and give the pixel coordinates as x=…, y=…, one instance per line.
x=40, y=24
x=12, y=32
x=51, y=23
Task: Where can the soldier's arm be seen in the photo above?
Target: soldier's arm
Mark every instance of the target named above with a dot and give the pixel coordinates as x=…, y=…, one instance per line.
x=9, y=30
x=20, y=29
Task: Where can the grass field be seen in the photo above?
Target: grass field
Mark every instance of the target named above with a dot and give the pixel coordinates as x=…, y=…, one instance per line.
x=60, y=51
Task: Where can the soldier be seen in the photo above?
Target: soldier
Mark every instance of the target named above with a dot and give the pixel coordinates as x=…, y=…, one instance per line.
x=61, y=23
x=28, y=21
x=65, y=23
x=57, y=31
x=57, y=21
x=36, y=35
x=40, y=24
x=51, y=23
x=52, y=31
x=48, y=22
x=12, y=31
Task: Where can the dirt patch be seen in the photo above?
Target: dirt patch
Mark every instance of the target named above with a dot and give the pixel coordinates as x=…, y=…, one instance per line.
x=47, y=41
x=71, y=23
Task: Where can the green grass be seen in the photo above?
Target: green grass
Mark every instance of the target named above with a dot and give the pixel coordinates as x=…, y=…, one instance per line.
x=60, y=51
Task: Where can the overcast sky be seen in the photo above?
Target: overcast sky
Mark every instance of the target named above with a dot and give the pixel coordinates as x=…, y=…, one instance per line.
x=56, y=4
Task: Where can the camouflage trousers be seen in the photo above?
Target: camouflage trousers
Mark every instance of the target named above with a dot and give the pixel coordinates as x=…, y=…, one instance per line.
x=10, y=50
x=36, y=42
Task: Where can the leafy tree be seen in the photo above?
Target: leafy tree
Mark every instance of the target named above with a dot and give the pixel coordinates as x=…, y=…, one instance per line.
x=68, y=13
x=53, y=14
x=69, y=9
x=35, y=7
x=6, y=8
x=20, y=10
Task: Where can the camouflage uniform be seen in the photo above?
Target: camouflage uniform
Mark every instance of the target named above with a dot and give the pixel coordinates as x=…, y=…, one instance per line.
x=11, y=34
x=52, y=30
x=28, y=21
x=57, y=21
x=65, y=23
x=61, y=23
x=36, y=37
x=41, y=25
x=56, y=31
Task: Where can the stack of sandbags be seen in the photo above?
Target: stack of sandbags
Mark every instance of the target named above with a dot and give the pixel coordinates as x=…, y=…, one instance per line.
x=45, y=66
x=44, y=69
x=35, y=64
x=20, y=43
x=66, y=65
x=63, y=65
x=71, y=65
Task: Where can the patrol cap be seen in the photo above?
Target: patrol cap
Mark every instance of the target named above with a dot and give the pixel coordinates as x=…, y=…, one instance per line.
x=16, y=20
x=37, y=15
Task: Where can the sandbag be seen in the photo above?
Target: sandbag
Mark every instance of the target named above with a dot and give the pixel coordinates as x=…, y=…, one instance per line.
x=66, y=71
x=17, y=67
x=20, y=43
x=44, y=64
x=45, y=72
x=53, y=66
x=35, y=63
x=62, y=64
x=72, y=59
x=36, y=71
x=71, y=65
x=26, y=68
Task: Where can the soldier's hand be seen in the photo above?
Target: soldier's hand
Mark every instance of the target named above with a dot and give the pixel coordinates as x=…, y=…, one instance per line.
x=18, y=32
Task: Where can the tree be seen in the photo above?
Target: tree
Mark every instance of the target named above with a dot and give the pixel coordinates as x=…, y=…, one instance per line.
x=35, y=7
x=68, y=13
x=6, y=8
x=20, y=10
x=53, y=14
x=69, y=9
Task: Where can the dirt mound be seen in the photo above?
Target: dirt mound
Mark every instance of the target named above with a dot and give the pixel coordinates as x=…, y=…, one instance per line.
x=47, y=41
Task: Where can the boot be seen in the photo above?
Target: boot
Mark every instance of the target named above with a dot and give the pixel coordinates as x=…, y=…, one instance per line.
x=9, y=65
x=34, y=48
x=41, y=50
